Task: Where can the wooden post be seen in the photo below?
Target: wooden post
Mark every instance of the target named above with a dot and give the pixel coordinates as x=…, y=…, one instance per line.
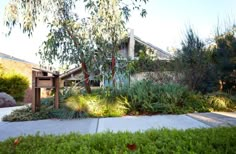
x=41, y=79
x=33, y=91
x=37, y=99
x=56, y=97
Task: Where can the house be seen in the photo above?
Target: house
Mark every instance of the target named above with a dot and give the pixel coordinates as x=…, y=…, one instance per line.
x=129, y=49
x=13, y=64
x=75, y=76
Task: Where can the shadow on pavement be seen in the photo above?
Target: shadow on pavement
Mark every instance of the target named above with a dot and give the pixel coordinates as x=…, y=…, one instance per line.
x=215, y=119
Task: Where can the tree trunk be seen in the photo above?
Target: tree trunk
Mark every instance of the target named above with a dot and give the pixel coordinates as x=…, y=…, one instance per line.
x=113, y=70
x=86, y=77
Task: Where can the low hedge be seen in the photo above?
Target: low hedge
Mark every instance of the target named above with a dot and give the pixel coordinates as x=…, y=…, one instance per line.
x=213, y=140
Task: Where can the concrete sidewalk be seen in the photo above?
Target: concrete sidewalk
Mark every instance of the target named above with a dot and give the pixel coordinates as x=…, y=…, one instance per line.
x=97, y=125
x=215, y=119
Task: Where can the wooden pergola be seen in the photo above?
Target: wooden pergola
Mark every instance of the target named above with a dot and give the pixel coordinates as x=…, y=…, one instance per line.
x=44, y=79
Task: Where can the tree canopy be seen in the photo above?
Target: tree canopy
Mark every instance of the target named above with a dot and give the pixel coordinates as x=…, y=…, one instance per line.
x=72, y=39
x=193, y=61
x=224, y=57
x=28, y=13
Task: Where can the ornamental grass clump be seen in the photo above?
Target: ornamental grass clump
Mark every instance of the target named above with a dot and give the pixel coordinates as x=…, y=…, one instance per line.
x=98, y=106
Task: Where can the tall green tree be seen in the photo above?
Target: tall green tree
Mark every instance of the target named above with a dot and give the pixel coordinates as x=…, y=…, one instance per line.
x=194, y=62
x=110, y=29
x=72, y=40
x=224, y=57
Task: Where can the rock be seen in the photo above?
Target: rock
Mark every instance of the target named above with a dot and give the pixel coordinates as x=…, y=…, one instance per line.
x=6, y=100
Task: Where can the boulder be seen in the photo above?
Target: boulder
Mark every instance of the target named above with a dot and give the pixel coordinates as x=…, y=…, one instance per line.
x=6, y=100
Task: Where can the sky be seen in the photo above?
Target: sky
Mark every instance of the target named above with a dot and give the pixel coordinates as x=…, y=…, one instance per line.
x=164, y=26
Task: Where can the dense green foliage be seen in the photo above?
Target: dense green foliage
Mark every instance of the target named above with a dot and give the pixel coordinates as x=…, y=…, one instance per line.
x=145, y=61
x=208, y=68
x=197, y=65
x=143, y=97
x=224, y=58
x=75, y=40
x=14, y=85
x=150, y=97
x=213, y=140
x=194, y=62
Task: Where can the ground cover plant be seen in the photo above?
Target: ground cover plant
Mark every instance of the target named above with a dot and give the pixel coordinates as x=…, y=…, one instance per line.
x=212, y=140
x=26, y=114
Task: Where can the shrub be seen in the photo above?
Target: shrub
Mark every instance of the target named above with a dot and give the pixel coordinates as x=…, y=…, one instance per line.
x=140, y=95
x=147, y=96
x=213, y=140
x=171, y=97
x=220, y=101
x=195, y=103
x=150, y=97
x=14, y=85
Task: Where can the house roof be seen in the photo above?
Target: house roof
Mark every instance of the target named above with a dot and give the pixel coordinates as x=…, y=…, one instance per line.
x=55, y=73
x=9, y=57
x=70, y=72
x=162, y=53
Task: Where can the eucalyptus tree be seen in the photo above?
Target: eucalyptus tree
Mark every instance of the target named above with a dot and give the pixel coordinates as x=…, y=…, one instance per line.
x=111, y=29
x=70, y=42
x=71, y=39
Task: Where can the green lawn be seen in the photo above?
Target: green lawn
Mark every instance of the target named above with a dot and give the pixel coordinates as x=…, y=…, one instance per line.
x=214, y=140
